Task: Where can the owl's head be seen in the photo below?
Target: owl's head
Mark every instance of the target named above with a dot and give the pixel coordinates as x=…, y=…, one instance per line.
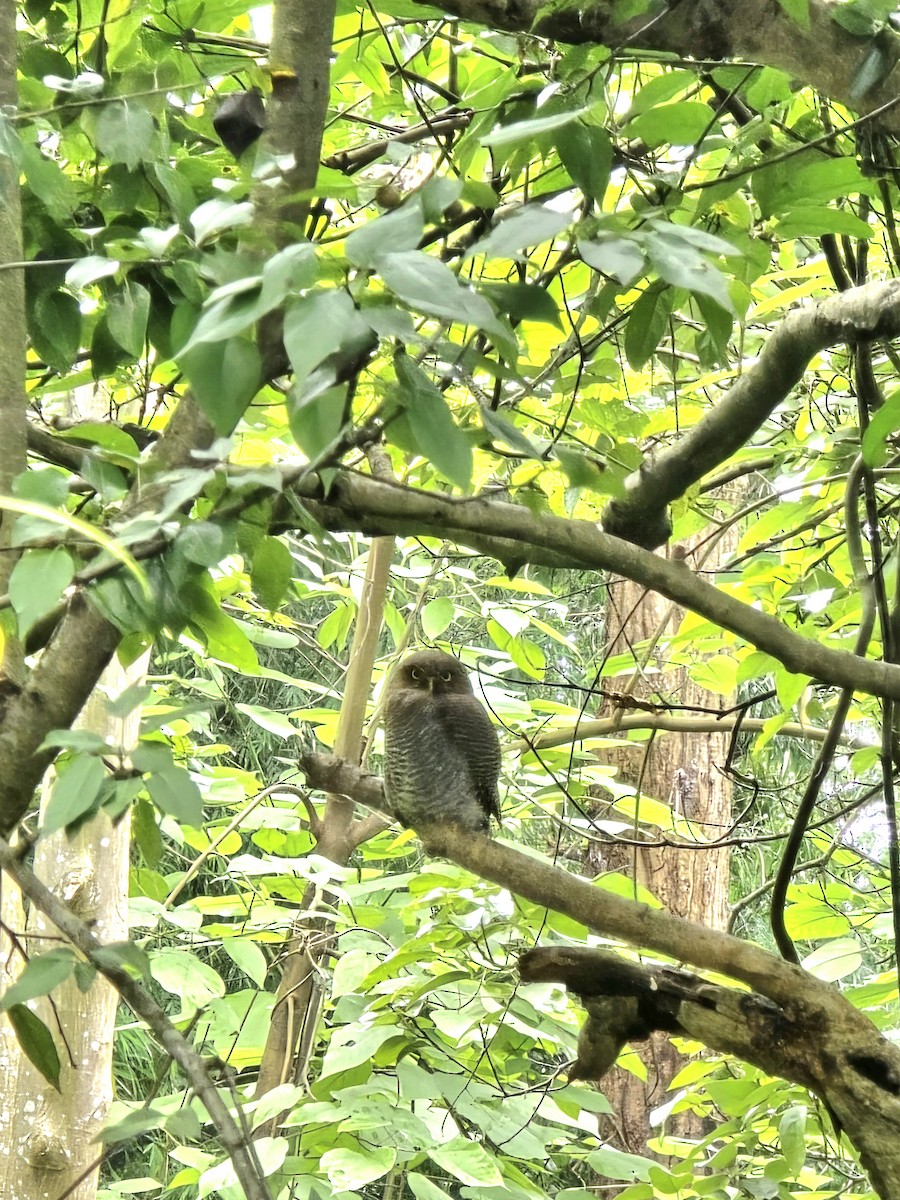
x=431, y=671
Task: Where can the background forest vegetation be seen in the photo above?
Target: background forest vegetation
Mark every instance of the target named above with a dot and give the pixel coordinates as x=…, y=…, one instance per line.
x=333, y=330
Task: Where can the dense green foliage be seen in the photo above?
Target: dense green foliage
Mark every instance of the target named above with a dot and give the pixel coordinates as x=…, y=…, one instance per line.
x=565, y=265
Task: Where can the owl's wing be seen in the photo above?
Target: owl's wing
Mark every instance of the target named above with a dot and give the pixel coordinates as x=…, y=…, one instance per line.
x=469, y=729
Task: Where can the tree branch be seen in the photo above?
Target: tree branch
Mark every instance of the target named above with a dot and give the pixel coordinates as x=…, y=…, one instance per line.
x=515, y=536
x=868, y=312
x=667, y=723
x=845, y=1060
x=821, y=53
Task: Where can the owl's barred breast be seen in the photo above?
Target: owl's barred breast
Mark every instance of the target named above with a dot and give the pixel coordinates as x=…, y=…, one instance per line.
x=442, y=759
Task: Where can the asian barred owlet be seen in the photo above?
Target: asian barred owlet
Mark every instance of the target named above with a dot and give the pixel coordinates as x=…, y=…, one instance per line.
x=441, y=752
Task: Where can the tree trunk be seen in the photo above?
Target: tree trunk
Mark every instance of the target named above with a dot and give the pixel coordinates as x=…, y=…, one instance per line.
x=686, y=771
x=12, y=319
x=49, y=1140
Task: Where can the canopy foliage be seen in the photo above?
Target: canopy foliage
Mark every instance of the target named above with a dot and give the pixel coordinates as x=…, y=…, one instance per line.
x=534, y=290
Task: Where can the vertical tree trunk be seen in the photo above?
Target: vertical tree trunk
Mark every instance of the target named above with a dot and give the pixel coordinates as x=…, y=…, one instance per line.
x=685, y=771
x=49, y=1140
x=12, y=321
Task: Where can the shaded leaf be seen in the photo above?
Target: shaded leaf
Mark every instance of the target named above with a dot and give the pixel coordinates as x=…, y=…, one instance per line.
x=41, y=974
x=436, y=434
x=36, y=1042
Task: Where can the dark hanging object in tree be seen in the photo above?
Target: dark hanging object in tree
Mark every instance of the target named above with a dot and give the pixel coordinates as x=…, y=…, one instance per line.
x=441, y=752
x=240, y=120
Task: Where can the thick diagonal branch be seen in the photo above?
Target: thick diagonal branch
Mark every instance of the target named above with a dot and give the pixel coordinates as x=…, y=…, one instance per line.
x=832, y=1049
x=516, y=536
x=818, y=52
x=868, y=312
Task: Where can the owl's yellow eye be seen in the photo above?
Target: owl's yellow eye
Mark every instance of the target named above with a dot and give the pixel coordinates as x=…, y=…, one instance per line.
x=446, y=676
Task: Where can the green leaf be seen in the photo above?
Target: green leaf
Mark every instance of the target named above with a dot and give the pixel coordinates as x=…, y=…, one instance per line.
x=811, y=920
x=37, y=582
x=523, y=302
x=468, y=1162
x=395, y=232
x=348, y=1170
x=74, y=739
x=110, y=438
x=530, y=226
x=174, y=792
x=425, y=284
x=218, y=216
x=36, y=1042
x=435, y=433
x=528, y=656
x=202, y=542
x=46, y=179
x=792, y=1133
x=271, y=572
x=646, y=324
x=680, y=124
x=615, y=1164
x=423, y=1189
x=834, y=960
x=660, y=88
x=436, y=616
x=54, y=327
x=227, y=312
x=686, y=268
x=316, y=418
x=75, y=794
x=224, y=378
x=124, y=133
x=812, y=220
x=862, y=18
x=787, y=186
x=503, y=430
x=266, y=718
x=884, y=422
x=124, y=956
x=524, y=131
x=336, y=626
x=248, y=957
x=41, y=975
x=586, y=153
x=127, y=311
x=797, y=10
x=615, y=255
x=145, y=831
x=186, y=976
x=717, y=673
x=133, y=1124
x=320, y=325
x=224, y=639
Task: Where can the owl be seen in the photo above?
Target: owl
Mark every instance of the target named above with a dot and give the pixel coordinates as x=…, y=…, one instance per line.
x=441, y=752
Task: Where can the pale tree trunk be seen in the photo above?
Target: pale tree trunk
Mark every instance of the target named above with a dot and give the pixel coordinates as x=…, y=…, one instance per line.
x=685, y=770
x=48, y=1139
x=12, y=320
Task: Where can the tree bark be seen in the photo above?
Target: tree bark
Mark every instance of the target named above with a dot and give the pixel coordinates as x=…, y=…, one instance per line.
x=12, y=321
x=49, y=1140
x=818, y=52
x=687, y=772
